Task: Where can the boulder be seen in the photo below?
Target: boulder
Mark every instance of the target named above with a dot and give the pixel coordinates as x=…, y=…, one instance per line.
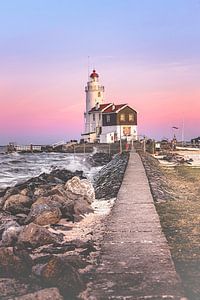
x=14, y=263
x=6, y=220
x=57, y=272
x=10, y=234
x=17, y=204
x=44, y=214
x=33, y=236
x=77, y=188
x=45, y=294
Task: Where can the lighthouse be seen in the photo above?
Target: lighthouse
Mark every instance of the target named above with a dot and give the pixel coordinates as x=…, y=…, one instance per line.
x=94, y=97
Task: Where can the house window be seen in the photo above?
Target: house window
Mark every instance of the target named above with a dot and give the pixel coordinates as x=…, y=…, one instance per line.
x=131, y=117
x=122, y=117
x=99, y=117
x=127, y=131
x=108, y=118
x=99, y=94
x=93, y=117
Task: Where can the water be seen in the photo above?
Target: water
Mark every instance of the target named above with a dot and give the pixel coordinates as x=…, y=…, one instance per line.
x=15, y=167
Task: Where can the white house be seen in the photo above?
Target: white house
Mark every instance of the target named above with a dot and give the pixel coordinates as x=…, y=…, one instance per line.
x=106, y=122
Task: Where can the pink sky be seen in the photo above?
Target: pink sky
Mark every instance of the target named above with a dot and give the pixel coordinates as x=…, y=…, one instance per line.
x=146, y=52
x=48, y=105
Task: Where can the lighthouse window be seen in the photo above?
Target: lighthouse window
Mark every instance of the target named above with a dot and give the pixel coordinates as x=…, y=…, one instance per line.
x=99, y=94
x=93, y=117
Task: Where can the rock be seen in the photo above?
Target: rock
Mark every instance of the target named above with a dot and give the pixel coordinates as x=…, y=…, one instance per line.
x=6, y=220
x=10, y=234
x=44, y=214
x=21, y=218
x=99, y=159
x=80, y=188
x=33, y=236
x=108, y=181
x=45, y=294
x=14, y=263
x=57, y=272
x=82, y=207
x=17, y=204
x=10, y=287
x=58, y=249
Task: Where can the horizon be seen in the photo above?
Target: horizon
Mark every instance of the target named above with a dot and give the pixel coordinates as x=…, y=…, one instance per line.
x=147, y=55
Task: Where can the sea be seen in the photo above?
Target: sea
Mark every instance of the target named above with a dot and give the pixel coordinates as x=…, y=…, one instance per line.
x=17, y=167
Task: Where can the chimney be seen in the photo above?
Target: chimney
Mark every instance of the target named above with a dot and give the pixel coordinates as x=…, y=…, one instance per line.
x=97, y=106
x=113, y=106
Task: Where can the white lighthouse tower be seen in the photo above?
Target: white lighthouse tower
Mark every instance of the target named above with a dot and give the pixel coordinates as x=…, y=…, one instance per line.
x=94, y=96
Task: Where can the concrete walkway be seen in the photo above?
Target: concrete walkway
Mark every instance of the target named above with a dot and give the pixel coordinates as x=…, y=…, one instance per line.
x=135, y=261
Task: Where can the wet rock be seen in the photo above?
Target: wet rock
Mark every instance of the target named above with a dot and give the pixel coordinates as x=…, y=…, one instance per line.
x=34, y=236
x=108, y=181
x=57, y=272
x=14, y=263
x=44, y=214
x=45, y=294
x=99, y=159
x=17, y=204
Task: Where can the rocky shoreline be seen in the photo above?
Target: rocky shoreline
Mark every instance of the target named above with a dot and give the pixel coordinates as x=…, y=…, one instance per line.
x=51, y=227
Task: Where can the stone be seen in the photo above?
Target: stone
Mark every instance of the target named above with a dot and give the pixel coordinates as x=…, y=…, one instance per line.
x=17, y=204
x=108, y=181
x=45, y=294
x=10, y=234
x=76, y=187
x=57, y=272
x=21, y=218
x=10, y=287
x=44, y=214
x=33, y=235
x=14, y=263
x=82, y=207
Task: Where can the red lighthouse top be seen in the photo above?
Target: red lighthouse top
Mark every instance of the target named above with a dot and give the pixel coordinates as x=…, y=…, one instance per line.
x=94, y=74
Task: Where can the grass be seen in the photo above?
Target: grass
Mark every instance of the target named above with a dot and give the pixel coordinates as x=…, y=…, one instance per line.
x=180, y=220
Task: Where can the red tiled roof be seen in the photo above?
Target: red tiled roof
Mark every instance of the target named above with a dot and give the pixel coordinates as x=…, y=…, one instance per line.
x=114, y=108
x=101, y=107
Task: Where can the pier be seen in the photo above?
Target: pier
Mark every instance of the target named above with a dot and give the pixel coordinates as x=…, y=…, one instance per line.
x=135, y=261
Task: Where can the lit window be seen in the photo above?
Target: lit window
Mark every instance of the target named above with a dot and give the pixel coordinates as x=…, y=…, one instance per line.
x=131, y=117
x=127, y=131
x=93, y=117
x=122, y=117
x=108, y=118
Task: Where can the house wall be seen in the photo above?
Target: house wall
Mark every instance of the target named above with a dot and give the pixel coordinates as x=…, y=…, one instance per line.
x=116, y=120
x=110, y=134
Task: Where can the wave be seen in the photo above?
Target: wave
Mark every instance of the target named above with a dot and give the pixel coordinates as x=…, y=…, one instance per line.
x=29, y=165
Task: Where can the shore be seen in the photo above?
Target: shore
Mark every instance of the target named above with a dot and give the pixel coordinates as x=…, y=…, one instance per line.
x=177, y=198
x=51, y=228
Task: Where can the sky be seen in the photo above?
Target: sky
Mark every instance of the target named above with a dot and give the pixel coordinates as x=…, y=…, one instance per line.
x=146, y=52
